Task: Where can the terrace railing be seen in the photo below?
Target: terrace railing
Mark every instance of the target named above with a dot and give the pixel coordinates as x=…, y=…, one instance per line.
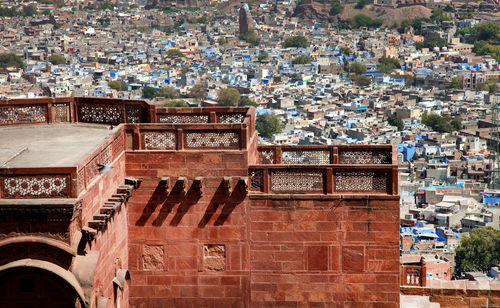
x=194, y=129
x=59, y=182
x=325, y=170
x=74, y=109
x=154, y=137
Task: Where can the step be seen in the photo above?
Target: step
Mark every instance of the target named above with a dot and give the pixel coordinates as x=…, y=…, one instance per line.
x=96, y=224
x=105, y=209
x=125, y=189
x=122, y=196
x=89, y=230
x=133, y=181
x=103, y=217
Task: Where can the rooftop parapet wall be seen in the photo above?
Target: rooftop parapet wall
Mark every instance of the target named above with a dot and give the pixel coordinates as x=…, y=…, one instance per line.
x=60, y=182
x=356, y=169
x=73, y=110
x=325, y=170
x=115, y=111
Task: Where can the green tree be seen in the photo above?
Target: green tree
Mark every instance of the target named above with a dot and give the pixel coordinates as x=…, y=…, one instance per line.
x=395, y=121
x=360, y=4
x=199, y=90
x=486, y=48
x=456, y=124
x=439, y=16
x=229, y=97
x=431, y=42
x=486, y=32
x=115, y=84
x=29, y=10
x=361, y=80
x=410, y=80
x=417, y=24
x=297, y=41
x=362, y=20
x=221, y=41
x=263, y=56
x=10, y=60
x=174, y=53
x=245, y=101
x=357, y=68
x=464, y=31
x=457, y=83
x=302, y=59
x=336, y=8
x=404, y=24
x=168, y=92
x=387, y=65
x=149, y=92
x=268, y=124
x=105, y=5
x=479, y=251
x=8, y=11
x=437, y=123
x=345, y=50
x=175, y=103
x=250, y=37
x=491, y=85
x=57, y=60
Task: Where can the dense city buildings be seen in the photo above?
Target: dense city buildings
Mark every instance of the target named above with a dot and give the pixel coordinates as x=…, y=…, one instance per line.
x=263, y=153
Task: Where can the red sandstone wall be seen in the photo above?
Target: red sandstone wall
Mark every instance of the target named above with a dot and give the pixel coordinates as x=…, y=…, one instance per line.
x=111, y=242
x=147, y=164
x=101, y=189
x=113, y=247
x=186, y=249
x=214, y=250
x=341, y=252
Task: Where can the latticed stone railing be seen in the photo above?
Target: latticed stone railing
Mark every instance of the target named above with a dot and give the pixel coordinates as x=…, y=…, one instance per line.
x=325, y=169
x=325, y=179
x=154, y=137
x=105, y=154
x=324, y=155
x=117, y=111
x=60, y=182
x=21, y=183
x=74, y=109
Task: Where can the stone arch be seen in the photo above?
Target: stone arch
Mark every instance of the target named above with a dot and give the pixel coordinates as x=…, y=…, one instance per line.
x=36, y=247
x=65, y=278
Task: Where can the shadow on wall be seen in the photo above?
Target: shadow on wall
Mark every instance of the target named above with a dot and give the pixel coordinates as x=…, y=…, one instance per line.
x=186, y=199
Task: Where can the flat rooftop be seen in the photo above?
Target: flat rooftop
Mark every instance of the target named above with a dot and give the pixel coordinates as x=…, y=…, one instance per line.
x=54, y=145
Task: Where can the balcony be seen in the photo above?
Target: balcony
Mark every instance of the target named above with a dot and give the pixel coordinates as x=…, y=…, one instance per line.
x=140, y=126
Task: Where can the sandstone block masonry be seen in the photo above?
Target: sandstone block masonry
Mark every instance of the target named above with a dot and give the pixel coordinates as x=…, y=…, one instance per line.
x=195, y=213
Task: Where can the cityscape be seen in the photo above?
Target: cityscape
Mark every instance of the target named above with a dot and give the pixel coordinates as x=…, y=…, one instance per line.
x=269, y=153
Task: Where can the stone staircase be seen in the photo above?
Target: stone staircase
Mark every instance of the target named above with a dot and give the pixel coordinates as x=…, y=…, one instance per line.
x=111, y=206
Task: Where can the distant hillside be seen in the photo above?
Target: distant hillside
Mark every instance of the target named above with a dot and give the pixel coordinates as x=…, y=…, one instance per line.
x=318, y=10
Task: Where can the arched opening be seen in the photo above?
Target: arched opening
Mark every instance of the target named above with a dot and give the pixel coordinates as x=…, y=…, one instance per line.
x=31, y=283
x=27, y=287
